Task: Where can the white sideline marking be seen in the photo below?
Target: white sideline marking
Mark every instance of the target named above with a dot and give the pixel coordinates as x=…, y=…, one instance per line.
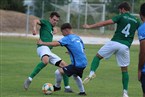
x=86, y=40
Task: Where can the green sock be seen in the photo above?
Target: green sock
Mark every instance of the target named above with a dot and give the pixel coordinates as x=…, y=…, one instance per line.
x=37, y=69
x=125, y=80
x=95, y=63
x=65, y=80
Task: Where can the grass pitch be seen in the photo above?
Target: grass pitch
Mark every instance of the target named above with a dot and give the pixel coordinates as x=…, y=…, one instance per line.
x=18, y=59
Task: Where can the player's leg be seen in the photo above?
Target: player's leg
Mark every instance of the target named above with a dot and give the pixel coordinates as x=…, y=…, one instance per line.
x=94, y=66
x=125, y=80
x=65, y=78
x=78, y=73
x=36, y=70
x=43, y=52
x=40, y=66
x=66, y=84
x=58, y=77
x=123, y=60
x=79, y=84
x=105, y=52
x=95, y=63
x=54, y=59
x=69, y=71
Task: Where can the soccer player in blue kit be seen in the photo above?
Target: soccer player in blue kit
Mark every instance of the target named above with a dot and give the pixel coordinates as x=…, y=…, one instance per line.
x=141, y=36
x=75, y=47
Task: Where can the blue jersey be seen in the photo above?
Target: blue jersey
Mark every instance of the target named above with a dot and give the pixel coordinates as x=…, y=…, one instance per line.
x=75, y=46
x=141, y=36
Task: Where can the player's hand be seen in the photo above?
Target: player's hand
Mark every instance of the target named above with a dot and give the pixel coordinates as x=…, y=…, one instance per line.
x=39, y=41
x=55, y=30
x=139, y=75
x=86, y=26
x=34, y=32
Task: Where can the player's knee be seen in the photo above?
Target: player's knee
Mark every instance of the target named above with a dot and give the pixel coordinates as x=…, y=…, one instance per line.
x=124, y=69
x=57, y=72
x=45, y=62
x=99, y=56
x=45, y=59
x=63, y=64
x=75, y=77
x=58, y=63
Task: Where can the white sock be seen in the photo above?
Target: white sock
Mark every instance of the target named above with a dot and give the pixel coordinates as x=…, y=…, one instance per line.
x=67, y=87
x=30, y=78
x=91, y=73
x=79, y=83
x=58, y=79
x=125, y=91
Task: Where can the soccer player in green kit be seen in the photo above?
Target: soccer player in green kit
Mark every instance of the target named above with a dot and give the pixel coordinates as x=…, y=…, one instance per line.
x=119, y=44
x=44, y=52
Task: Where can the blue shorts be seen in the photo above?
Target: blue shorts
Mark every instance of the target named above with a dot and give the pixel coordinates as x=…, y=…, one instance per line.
x=143, y=82
x=72, y=70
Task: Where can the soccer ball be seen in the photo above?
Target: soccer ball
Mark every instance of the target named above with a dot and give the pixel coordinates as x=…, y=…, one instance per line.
x=47, y=88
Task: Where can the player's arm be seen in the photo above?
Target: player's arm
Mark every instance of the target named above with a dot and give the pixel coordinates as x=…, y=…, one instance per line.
x=141, y=54
x=141, y=58
x=99, y=24
x=54, y=43
x=35, y=23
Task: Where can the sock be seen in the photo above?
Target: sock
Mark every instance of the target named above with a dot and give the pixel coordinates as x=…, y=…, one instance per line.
x=30, y=78
x=125, y=80
x=79, y=83
x=94, y=65
x=67, y=87
x=37, y=69
x=91, y=73
x=58, y=79
x=65, y=80
x=125, y=91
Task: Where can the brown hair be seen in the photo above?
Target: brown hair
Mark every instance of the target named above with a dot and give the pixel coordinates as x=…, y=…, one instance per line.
x=66, y=26
x=142, y=9
x=124, y=5
x=54, y=14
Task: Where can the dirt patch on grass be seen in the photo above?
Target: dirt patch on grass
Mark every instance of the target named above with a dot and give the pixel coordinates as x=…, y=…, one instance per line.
x=12, y=21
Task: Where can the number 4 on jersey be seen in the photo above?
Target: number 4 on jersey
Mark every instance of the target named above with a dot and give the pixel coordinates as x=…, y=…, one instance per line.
x=126, y=30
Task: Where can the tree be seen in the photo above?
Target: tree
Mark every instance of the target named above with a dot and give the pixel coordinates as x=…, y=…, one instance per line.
x=16, y=5
x=137, y=4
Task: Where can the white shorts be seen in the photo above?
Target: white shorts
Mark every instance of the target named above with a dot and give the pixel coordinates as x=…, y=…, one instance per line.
x=45, y=50
x=121, y=52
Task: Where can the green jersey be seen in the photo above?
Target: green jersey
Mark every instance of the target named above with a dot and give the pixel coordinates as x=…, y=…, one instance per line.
x=46, y=32
x=126, y=28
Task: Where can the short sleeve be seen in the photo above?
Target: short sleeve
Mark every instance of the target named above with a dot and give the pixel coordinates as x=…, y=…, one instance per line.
x=115, y=19
x=63, y=41
x=141, y=32
x=43, y=21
